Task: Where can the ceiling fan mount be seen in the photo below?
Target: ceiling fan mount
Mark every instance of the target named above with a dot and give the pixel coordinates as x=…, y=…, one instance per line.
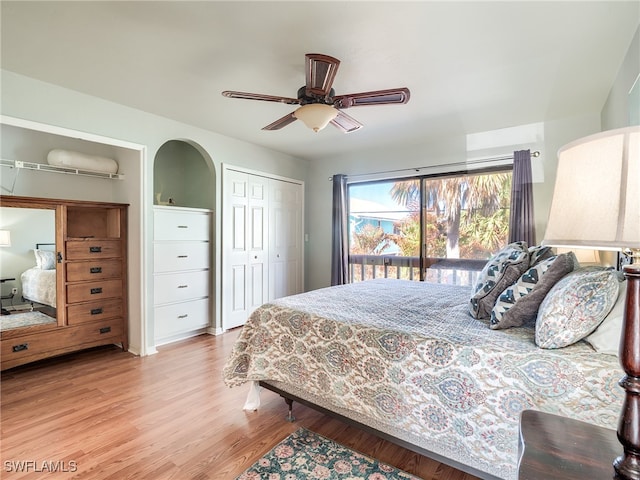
x=317, y=94
x=306, y=98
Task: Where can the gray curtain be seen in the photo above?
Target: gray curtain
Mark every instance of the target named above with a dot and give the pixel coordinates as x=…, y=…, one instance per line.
x=340, y=239
x=521, y=222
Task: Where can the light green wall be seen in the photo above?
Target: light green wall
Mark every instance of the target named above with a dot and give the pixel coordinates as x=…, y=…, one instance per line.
x=26, y=98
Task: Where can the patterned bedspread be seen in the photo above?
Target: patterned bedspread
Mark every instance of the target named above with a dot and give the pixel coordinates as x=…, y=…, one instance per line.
x=408, y=355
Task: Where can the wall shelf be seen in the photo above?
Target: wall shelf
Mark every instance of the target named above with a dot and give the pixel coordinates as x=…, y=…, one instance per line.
x=55, y=169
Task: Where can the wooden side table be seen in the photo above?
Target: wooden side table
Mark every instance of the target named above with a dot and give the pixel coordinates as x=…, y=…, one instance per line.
x=554, y=447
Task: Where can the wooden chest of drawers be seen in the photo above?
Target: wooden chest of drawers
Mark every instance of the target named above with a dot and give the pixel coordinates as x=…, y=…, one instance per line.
x=91, y=283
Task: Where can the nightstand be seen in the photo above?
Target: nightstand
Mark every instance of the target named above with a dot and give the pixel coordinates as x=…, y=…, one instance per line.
x=5, y=297
x=554, y=447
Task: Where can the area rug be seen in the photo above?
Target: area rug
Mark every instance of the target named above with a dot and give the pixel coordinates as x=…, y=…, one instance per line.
x=27, y=319
x=307, y=455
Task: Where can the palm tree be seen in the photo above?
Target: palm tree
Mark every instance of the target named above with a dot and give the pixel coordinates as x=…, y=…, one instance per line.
x=480, y=195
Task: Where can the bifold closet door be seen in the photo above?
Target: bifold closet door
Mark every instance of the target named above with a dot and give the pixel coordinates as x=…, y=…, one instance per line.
x=245, y=243
x=285, y=238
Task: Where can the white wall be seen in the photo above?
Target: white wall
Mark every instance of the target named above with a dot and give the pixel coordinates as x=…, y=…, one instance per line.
x=621, y=109
x=30, y=99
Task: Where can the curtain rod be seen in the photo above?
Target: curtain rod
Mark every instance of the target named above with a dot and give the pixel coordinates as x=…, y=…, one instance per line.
x=534, y=154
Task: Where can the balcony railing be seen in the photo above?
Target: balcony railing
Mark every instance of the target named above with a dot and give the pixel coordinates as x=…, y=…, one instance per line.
x=440, y=270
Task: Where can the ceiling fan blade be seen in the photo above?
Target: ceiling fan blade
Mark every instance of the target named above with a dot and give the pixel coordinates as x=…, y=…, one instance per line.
x=346, y=123
x=281, y=122
x=320, y=73
x=378, y=97
x=259, y=96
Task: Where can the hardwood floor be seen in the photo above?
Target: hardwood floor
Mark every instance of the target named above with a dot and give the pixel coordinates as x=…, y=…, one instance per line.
x=106, y=414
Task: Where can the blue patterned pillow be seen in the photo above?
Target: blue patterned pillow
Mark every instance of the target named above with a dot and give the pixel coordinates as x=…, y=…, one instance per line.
x=502, y=270
x=519, y=303
x=538, y=253
x=575, y=306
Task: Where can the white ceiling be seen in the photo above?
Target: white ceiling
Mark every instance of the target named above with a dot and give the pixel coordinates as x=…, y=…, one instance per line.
x=471, y=66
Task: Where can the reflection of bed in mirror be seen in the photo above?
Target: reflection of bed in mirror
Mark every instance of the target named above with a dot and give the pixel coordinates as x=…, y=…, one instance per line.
x=39, y=281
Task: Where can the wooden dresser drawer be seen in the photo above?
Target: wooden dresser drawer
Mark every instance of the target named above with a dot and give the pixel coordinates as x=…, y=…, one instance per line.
x=180, y=286
x=28, y=348
x=93, y=270
x=94, y=311
x=169, y=257
x=91, y=291
x=89, y=249
x=181, y=225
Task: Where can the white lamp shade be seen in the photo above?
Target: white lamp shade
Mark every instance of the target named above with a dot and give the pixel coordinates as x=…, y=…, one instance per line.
x=5, y=238
x=596, y=199
x=316, y=116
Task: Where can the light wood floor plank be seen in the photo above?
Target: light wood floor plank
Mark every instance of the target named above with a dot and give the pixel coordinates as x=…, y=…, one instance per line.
x=166, y=416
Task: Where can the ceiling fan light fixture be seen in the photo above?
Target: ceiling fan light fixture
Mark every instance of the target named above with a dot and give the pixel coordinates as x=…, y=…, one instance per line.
x=316, y=116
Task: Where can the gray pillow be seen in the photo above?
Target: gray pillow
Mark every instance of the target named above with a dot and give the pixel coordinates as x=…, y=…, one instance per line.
x=519, y=303
x=502, y=270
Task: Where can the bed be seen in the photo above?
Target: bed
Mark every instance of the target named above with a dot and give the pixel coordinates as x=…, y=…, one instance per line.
x=39, y=282
x=408, y=361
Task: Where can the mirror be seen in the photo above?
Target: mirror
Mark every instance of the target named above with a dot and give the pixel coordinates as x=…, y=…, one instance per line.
x=28, y=267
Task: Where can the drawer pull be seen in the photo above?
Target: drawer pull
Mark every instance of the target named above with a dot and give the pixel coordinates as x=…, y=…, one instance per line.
x=96, y=290
x=95, y=249
x=183, y=316
x=19, y=348
x=183, y=256
x=183, y=226
x=105, y=330
x=96, y=311
x=183, y=286
x=95, y=270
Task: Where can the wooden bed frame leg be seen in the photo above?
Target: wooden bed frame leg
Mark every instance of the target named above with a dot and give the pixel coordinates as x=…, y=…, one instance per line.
x=290, y=417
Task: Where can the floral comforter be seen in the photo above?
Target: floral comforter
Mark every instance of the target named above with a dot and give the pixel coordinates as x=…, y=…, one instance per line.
x=408, y=355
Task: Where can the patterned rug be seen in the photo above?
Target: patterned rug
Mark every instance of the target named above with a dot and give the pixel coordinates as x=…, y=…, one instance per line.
x=307, y=455
x=27, y=319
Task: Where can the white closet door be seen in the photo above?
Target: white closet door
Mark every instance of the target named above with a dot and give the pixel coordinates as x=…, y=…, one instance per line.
x=244, y=246
x=285, y=238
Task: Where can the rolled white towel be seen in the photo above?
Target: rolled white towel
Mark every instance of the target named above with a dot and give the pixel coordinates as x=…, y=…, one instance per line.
x=81, y=161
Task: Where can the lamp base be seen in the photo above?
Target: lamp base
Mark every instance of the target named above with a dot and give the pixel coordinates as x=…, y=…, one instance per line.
x=627, y=466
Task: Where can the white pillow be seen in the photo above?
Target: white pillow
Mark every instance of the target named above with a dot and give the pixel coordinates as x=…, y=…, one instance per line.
x=45, y=259
x=606, y=338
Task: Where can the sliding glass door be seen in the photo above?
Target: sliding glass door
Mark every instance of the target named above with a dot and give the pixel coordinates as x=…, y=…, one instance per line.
x=439, y=228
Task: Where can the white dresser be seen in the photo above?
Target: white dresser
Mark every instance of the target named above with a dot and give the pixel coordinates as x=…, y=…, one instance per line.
x=182, y=272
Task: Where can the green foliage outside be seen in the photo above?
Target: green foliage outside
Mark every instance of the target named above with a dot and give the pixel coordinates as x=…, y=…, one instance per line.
x=468, y=218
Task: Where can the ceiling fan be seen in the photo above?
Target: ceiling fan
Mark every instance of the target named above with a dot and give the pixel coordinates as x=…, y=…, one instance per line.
x=319, y=105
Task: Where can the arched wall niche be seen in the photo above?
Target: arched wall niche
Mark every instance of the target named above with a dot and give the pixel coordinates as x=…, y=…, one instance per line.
x=183, y=175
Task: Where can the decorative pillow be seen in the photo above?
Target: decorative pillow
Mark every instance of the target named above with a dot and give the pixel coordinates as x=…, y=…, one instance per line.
x=575, y=306
x=519, y=303
x=606, y=338
x=538, y=253
x=45, y=259
x=502, y=270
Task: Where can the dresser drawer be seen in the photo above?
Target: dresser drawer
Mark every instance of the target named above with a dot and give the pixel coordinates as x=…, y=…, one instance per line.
x=181, y=225
x=180, y=286
x=27, y=348
x=90, y=249
x=169, y=257
x=93, y=270
x=91, y=291
x=94, y=311
x=180, y=318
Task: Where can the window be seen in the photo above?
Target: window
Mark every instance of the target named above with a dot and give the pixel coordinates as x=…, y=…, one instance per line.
x=437, y=228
